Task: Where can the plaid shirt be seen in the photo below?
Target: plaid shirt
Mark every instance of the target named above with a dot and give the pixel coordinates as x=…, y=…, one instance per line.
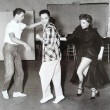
x=51, y=44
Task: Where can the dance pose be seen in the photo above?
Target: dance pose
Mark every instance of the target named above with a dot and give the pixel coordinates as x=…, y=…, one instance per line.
x=50, y=69
x=11, y=55
x=89, y=69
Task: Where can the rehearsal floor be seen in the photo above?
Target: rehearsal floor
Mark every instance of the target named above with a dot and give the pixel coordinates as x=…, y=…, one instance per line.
x=32, y=87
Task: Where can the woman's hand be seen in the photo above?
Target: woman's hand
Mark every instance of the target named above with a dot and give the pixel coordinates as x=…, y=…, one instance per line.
x=27, y=47
x=63, y=38
x=101, y=53
x=99, y=57
x=38, y=37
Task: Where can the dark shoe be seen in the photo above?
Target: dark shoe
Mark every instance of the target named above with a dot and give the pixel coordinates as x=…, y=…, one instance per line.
x=82, y=90
x=96, y=95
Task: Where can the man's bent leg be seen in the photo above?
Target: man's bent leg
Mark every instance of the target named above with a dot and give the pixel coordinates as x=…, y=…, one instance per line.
x=18, y=77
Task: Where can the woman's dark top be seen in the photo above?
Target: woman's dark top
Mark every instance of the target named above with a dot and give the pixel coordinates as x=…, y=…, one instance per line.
x=87, y=41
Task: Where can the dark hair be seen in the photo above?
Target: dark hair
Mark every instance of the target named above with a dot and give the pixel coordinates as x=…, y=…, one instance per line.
x=18, y=11
x=52, y=20
x=44, y=11
x=60, y=31
x=86, y=17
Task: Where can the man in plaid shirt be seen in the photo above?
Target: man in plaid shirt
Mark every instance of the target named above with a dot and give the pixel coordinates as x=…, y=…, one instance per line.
x=51, y=56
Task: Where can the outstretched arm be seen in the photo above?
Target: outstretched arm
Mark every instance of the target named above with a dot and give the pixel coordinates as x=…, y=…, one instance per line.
x=33, y=25
x=72, y=38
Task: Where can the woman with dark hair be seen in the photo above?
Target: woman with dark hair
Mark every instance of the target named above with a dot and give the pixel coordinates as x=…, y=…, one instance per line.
x=52, y=20
x=50, y=69
x=89, y=47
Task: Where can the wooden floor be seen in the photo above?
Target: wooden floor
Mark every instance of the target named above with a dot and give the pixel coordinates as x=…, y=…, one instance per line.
x=32, y=87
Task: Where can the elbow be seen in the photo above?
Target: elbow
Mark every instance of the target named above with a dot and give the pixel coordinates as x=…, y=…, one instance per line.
x=28, y=27
x=12, y=38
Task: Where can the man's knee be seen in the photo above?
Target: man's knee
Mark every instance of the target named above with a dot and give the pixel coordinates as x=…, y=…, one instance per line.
x=8, y=76
x=20, y=75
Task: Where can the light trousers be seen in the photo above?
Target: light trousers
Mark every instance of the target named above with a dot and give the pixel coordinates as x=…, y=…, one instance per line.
x=51, y=71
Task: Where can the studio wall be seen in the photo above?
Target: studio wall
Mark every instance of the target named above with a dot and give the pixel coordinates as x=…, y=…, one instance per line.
x=67, y=16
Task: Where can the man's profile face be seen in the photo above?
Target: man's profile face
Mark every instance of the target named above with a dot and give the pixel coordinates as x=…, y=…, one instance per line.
x=20, y=16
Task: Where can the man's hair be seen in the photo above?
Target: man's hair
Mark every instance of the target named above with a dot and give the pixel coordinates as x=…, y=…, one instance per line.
x=18, y=11
x=43, y=12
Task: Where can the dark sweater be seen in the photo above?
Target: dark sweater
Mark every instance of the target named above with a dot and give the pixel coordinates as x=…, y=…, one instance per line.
x=85, y=38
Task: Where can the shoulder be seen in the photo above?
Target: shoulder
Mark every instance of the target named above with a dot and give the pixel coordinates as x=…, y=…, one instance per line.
x=94, y=31
x=78, y=27
x=10, y=24
x=22, y=25
x=51, y=26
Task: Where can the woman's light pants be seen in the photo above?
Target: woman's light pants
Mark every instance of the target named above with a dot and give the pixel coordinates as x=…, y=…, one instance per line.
x=51, y=71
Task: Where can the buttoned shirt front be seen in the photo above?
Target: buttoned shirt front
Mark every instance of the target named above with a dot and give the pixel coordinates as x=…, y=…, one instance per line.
x=51, y=44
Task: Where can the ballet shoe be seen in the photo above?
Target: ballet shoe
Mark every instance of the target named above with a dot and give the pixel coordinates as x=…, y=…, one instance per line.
x=96, y=95
x=82, y=90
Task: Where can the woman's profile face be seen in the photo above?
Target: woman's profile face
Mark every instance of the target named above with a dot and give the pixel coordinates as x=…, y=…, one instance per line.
x=84, y=23
x=44, y=18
